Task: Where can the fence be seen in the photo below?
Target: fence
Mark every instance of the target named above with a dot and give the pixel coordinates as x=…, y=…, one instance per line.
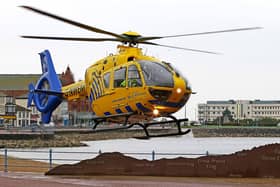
x=50, y=159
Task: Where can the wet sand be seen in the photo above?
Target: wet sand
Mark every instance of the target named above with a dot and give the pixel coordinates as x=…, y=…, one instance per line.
x=24, y=165
x=13, y=179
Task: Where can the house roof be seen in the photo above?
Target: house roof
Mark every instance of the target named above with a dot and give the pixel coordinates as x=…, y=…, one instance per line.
x=21, y=108
x=221, y=102
x=21, y=81
x=17, y=81
x=266, y=102
x=16, y=85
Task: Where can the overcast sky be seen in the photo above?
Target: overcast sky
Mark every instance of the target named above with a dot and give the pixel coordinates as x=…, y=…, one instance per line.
x=247, y=69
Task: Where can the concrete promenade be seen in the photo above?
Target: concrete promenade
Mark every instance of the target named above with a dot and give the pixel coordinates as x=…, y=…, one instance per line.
x=12, y=179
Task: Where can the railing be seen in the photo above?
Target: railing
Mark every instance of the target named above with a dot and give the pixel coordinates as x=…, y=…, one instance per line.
x=50, y=160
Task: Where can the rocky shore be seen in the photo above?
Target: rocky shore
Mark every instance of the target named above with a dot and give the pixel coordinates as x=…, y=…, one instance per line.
x=64, y=139
x=236, y=132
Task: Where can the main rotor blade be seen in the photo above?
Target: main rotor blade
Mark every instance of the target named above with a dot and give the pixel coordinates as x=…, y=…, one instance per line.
x=199, y=33
x=81, y=25
x=187, y=49
x=72, y=38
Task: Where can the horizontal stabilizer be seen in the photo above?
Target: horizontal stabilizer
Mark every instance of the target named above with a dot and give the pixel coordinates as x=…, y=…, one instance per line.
x=49, y=92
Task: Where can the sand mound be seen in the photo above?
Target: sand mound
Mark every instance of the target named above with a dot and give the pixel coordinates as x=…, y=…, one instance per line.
x=263, y=161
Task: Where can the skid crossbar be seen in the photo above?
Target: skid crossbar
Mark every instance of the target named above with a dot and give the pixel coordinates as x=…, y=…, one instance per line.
x=144, y=126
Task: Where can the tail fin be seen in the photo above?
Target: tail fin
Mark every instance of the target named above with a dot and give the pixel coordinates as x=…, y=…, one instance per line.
x=46, y=94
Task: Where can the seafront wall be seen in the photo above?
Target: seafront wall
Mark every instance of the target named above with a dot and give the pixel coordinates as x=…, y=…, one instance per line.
x=236, y=132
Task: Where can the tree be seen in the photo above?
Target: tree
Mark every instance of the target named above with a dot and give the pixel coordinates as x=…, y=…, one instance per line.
x=227, y=117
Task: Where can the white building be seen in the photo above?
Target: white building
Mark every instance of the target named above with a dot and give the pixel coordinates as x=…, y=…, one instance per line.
x=240, y=109
x=22, y=116
x=34, y=114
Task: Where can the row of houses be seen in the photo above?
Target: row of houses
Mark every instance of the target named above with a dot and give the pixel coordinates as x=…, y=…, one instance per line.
x=13, y=102
x=13, y=99
x=239, y=109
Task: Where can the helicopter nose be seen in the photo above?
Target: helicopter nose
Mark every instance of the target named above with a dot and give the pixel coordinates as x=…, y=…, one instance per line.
x=178, y=90
x=184, y=98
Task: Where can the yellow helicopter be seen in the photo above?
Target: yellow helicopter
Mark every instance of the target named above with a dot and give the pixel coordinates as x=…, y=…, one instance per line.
x=128, y=87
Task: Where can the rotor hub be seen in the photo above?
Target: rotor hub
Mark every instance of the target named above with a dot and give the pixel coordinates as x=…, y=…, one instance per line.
x=131, y=34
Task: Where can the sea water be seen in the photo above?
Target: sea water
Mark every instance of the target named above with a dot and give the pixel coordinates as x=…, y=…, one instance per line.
x=167, y=147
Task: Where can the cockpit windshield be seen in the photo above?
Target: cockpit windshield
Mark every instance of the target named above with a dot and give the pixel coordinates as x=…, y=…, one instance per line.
x=179, y=74
x=156, y=74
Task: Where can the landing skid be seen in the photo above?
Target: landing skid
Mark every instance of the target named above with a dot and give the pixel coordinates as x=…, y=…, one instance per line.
x=178, y=122
x=144, y=126
x=163, y=135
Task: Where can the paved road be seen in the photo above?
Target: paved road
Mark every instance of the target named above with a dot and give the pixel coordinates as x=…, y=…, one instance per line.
x=35, y=180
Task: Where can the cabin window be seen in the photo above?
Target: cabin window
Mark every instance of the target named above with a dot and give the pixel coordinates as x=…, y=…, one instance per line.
x=156, y=74
x=106, y=79
x=134, y=79
x=119, y=78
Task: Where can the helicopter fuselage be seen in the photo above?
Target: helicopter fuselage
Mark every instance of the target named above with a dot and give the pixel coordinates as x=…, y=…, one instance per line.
x=131, y=82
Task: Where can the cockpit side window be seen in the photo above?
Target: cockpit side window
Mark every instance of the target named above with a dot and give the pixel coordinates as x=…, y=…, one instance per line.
x=106, y=79
x=134, y=79
x=119, y=78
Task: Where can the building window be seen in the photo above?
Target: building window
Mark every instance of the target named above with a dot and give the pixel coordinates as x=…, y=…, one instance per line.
x=2, y=100
x=10, y=100
x=9, y=109
x=33, y=108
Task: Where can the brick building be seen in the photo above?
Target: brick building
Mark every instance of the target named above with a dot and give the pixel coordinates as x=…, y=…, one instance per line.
x=72, y=112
